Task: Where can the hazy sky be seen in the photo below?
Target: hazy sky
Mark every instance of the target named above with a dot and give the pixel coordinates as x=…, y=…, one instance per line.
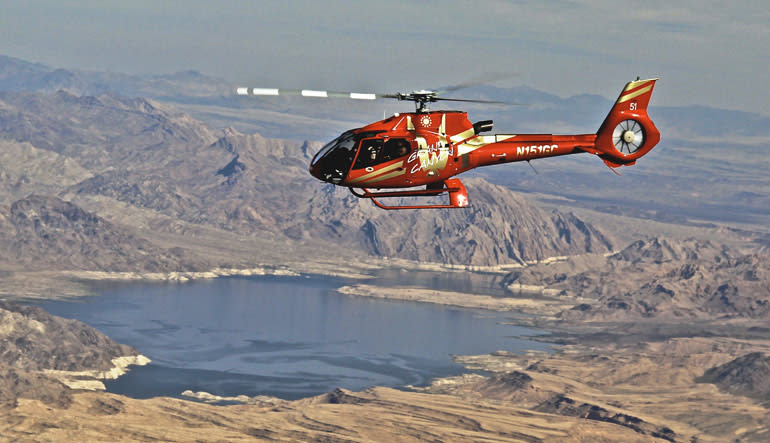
x=705, y=52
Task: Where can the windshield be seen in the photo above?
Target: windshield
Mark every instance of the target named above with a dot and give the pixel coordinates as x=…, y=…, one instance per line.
x=347, y=141
x=333, y=161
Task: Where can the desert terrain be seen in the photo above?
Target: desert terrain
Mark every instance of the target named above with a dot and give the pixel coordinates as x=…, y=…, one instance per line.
x=654, y=285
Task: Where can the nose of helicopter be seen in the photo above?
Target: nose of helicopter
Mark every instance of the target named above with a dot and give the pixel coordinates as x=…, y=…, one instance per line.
x=329, y=168
x=315, y=171
x=332, y=162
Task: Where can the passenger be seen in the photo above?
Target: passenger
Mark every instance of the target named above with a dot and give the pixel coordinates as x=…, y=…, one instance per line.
x=403, y=148
x=395, y=149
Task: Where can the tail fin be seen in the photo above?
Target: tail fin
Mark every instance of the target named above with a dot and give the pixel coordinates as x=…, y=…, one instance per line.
x=628, y=133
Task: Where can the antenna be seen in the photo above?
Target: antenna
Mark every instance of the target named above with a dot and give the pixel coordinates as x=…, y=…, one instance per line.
x=614, y=171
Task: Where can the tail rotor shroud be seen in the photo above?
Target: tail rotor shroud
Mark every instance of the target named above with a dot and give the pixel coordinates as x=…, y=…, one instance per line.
x=628, y=136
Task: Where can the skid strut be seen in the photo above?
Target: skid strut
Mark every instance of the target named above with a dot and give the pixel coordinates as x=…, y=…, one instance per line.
x=458, y=195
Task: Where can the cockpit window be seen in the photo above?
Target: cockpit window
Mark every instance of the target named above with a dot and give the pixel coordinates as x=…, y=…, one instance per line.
x=370, y=153
x=395, y=148
x=347, y=141
x=375, y=151
x=333, y=161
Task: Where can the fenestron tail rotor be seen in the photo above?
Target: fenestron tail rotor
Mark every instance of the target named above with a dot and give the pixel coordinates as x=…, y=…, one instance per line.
x=421, y=98
x=628, y=136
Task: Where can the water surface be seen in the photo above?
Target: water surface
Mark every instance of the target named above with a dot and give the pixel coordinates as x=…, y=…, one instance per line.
x=289, y=337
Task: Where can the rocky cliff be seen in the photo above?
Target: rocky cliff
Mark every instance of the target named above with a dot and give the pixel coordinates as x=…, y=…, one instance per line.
x=34, y=343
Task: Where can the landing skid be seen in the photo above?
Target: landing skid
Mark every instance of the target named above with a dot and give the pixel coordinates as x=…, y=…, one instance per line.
x=458, y=195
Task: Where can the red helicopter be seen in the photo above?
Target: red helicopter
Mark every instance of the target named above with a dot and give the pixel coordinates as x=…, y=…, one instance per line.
x=429, y=148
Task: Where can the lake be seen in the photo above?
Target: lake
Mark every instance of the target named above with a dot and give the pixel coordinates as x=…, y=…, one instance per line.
x=289, y=337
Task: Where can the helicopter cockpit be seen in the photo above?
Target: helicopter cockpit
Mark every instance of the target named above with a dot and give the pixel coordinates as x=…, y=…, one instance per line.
x=377, y=150
x=332, y=163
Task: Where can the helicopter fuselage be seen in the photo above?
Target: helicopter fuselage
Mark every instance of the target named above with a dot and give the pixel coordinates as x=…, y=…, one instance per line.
x=416, y=149
x=428, y=148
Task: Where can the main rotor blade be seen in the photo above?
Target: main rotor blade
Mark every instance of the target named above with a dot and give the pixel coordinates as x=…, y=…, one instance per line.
x=492, y=102
x=485, y=80
x=416, y=96
x=308, y=93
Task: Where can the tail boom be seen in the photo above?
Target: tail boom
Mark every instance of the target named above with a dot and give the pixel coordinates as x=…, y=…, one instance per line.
x=626, y=134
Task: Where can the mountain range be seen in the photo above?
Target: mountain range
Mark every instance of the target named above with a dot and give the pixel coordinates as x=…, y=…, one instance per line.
x=72, y=162
x=191, y=177
x=658, y=278
x=109, y=182
x=705, y=167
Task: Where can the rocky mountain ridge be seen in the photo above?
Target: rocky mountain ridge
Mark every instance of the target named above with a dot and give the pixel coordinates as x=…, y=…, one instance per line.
x=35, y=342
x=44, y=232
x=703, y=147
x=133, y=153
x=660, y=278
x=748, y=375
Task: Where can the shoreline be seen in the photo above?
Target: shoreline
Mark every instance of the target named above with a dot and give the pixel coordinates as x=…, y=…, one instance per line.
x=544, y=303
x=591, y=373
x=18, y=284
x=80, y=286
x=362, y=270
x=528, y=300
x=179, y=276
x=90, y=380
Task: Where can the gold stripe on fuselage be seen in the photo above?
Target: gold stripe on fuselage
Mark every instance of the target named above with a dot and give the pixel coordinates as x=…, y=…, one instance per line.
x=384, y=177
x=468, y=133
x=377, y=172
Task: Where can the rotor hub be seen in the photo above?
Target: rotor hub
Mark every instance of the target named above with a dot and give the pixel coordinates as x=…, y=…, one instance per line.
x=421, y=99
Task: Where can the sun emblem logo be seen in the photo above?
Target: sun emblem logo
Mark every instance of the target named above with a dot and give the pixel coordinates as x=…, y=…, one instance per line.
x=425, y=120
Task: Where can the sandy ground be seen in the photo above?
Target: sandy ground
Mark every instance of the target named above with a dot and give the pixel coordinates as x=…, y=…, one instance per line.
x=652, y=381
x=647, y=392
x=378, y=414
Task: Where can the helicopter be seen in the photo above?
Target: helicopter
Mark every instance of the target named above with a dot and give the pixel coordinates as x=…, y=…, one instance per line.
x=418, y=154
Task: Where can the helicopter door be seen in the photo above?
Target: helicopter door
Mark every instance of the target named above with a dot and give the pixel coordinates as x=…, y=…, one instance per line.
x=369, y=154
